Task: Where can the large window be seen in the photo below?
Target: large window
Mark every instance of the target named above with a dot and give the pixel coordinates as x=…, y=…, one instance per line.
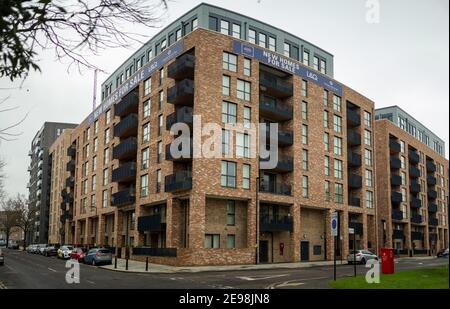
x=231, y=241
x=161, y=99
x=107, y=136
x=304, y=134
x=252, y=36
x=326, y=162
x=305, y=186
x=367, y=137
x=229, y=62
x=229, y=112
x=323, y=66
x=146, y=133
x=325, y=98
x=367, y=119
x=369, y=178
x=226, y=85
x=147, y=86
x=246, y=176
x=337, y=123
x=242, y=145
x=237, y=31
x=339, y=193
x=158, y=180
x=262, y=40
x=231, y=213
x=105, y=176
x=316, y=63
x=287, y=49
x=304, y=90
x=337, y=146
x=247, y=67
x=147, y=108
x=338, y=169
x=304, y=110
x=367, y=157
x=272, y=43
x=104, y=198
x=244, y=90
x=306, y=57
x=145, y=158
x=144, y=185
x=106, y=156
x=325, y=119
x=305, y=159
x=228, y=174
x=369, y=199
x=327, y=190
x=247, y=117
x=212, y=241
x=337, y=103
x=159, y=154
x=224, y=27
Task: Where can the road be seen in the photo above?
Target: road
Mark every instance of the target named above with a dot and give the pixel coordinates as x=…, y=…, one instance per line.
x=29, y=271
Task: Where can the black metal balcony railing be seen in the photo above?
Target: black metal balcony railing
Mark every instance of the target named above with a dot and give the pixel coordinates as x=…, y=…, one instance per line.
x=398, y=234
x=127, y=126
x=72, y=151
x=124, y=197
x=432, y=207
x=431, y=166
x=275, y=223
x=357, y=226
x=413, y=156
x=431, y=180
x=396, y=180
x=353, y=138
x=70, y=181
x=354, y=159
x=275, y=109
x=181, y=115
x=182, y=67
x=394, y=146
x=432, y=194
x=415, y=202
x=353, y=118
x=68, y=198
x=416, y=218
x=396, y=197
x=151, y=223
x=285, y=164
x=414, y=187
x=182, y=93
x=354, y=201
x=395, y=163
x=275, y=86
x=167, y=252
x=63, y=206
x=181, y=180
x=433, y=221
x=354, y=181
x=275, y=187
x=128, y=104
x=397, y=215
x=171, y=156
x=124, y=173
x=70, y=167
x=416, y=235
x=285, y=138
x=126, y=149
x=414, y=172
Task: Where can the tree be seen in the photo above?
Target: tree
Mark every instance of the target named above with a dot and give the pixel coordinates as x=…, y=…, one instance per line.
x=9, y=218
x=25, y=215
x=2, y=177
x=69, y=27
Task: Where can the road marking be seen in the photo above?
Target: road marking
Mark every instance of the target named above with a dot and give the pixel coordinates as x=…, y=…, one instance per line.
x=2, y=286
x=288, y=284
x=52, y=269
x=262, y=278
x=91, y=282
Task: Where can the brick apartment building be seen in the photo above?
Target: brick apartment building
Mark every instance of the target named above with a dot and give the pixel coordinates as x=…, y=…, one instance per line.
x=412, y=184
x=117, y=183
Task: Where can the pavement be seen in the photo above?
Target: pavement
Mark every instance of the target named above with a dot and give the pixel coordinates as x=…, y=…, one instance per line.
x=23, y=270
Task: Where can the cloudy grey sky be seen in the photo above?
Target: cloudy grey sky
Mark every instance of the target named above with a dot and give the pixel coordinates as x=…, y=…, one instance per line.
x=402, y=60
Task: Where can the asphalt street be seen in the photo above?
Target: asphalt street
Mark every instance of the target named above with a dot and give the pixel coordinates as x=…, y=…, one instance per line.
x=29, y=271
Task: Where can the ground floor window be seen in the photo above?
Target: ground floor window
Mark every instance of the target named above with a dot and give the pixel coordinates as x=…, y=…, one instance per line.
x=212, y=241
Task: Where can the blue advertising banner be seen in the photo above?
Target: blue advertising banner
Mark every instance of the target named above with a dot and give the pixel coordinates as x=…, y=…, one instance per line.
x=286, y=64
x=145, y=72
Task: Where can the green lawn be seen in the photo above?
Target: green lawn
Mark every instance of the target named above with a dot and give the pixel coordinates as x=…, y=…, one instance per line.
x=422, y=278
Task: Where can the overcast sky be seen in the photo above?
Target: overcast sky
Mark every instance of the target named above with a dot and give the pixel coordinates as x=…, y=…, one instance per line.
x=402, y=60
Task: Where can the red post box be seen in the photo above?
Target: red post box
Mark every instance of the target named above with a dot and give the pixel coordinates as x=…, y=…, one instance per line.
x=387, y=260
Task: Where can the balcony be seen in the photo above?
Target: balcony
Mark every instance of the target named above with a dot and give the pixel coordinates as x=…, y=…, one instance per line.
x=128, y=104
x=68, y=198
x=127, y=149
x=285, y=164
x=179, y=155
x=181, y=180
x=70, y=166
x=414, y=187
x=431, y=166
x=414, y=172
x=353, y=138
x=433, y=221
x=70, y=182
x=151, y=224
x=394, y=146
x=72, y=151
x=396, y=180
x=285, y=138
x=181, y=115
x=357, y=226
x=397, y=215
x=354, y=201
x=395, y=163
x=432, y=207
x=280, y=188
x=398, y=234
x=416, y=218
x=275, y=86
x=354, y=159
x=63, y=206
x=433, y=236
x=146, y=251
x=124, y=197
x=416, y=235
x=396, y=197
x=431, y=180
x=275, y=109
x=432, y=194
x=127, y=126
x=275, y=223
x=182, y=68
x=182, y=93
x=124, y=173
x=415, y=202
x=353, y=118
x=354, y=181
x=413, y=157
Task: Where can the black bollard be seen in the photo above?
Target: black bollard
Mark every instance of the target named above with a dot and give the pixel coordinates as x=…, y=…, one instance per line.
x=126, y=263
x=146, y=264
x=115, y=262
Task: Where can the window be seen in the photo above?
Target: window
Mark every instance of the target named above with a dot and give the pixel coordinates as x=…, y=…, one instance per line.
x=246, y=176
x=178, y=35
x=85, y=186
x=247, y=67
x=272, y=43
x=338, y=169
x=327, y=190
x=108, y=116
x=158, y=181
x=367, y=157
x=104, y=198
x=147, y=86
x=369, y=199
x=96, y=127
x=94, y=163
x=161, y=99
x=93, y=183
x=237, y=31
x=337, y=103
x=304, y=134
x=304, y=88
x=105, y=176
x=212, y=241
x=145, y=160
x=228, y=174
x=326, y=141
x=305, y=159
x=369, y=178
x=147, y=108
x=304, y=110
x=339, y=193
x=337, y=146
x=159, y=154
x=85, y=169
x=325, y=119
x=367, y=119
x=325, y=98
x=243, y=90
x=305, y=186
x=231, y=241
x=150, y=55
x=306, y=57
x=160, y=124
x=247, y=117
x=287, y=49
x=224, y=27
x=367, y=138
x=229, y=62
x=316, y=63
x=403, y=162
x=107, y=136
x=95, y=144
x=226, y=142
x=242, y=145
x=144, y=185
x=252, y=36
x=337, y=123
x=106, y=156
x=262, y=40
x=231, y=213
x=146, y=133
x=226, y=85
x=326, y=162
x=194, y=24
x=323, y=66
x=161, y=76
x=403, y=195
x=229, y=112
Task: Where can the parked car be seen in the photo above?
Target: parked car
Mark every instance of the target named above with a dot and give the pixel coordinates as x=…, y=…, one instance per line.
x=2, y=243
x=64, y=252
x=13, y=245
x=443, y=253
x=361, y=256
x=98, y=256
x=78, y=254
x=50, y=251
x=2, y=257
x=41, y=248
x=35, y=249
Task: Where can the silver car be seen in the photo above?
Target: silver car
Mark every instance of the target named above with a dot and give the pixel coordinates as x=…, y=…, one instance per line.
x=361, y=256
x=2, y=258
